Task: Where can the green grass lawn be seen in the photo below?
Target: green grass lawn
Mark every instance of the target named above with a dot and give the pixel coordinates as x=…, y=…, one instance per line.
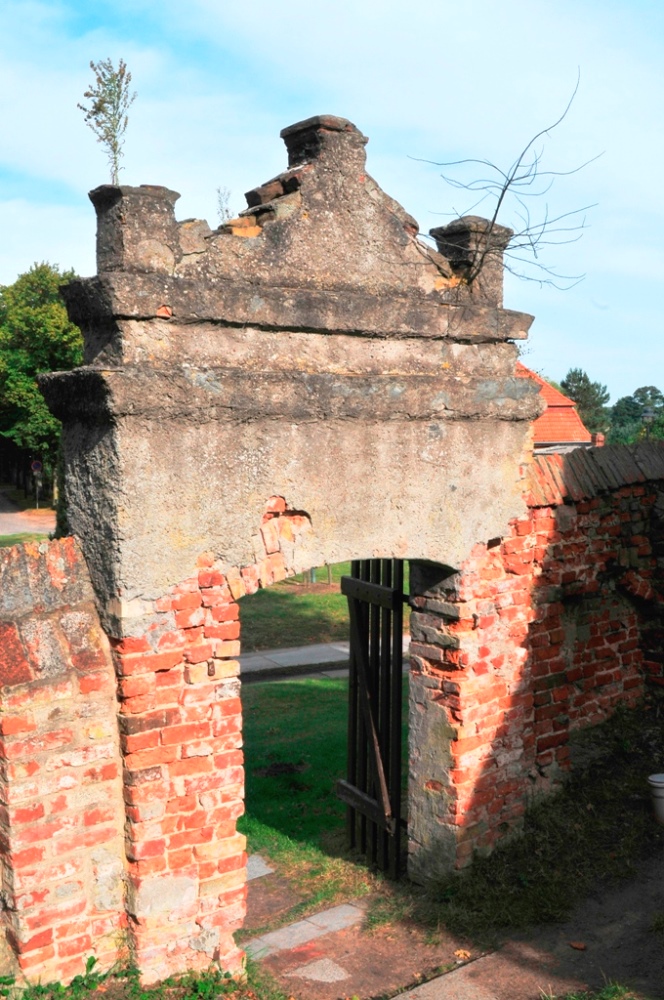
x=290, y=782
x=286, y=614
x=295, y=750
x=25, y=536
x=294, y=613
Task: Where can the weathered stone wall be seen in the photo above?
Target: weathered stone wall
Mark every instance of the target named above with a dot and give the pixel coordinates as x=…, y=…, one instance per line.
x=540, y=633
x=61, y=809
x=312, y=354
x=314, y=348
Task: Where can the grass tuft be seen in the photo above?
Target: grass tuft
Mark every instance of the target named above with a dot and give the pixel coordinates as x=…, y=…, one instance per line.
x=124, y=984
x=6, y=541
x=612, y=991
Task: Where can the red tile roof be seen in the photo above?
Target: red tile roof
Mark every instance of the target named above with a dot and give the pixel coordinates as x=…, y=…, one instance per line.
x=587, y=472
x=560, y=423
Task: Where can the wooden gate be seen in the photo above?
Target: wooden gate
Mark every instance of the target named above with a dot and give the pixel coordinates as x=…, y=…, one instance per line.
x=372, y=789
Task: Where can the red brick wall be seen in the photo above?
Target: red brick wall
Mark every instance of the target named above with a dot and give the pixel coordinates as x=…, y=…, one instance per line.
x=61, y=810
x=181, y=737
x=541, y=633
x=180, y=725
x=537, y=634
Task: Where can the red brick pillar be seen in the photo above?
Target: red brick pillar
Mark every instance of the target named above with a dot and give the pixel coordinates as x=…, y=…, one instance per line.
x=180, y=727
x=471, y=716
x=61, y=810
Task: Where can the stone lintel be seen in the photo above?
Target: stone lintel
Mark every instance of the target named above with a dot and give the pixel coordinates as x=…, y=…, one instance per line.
x=99, y=301
x=200, y=395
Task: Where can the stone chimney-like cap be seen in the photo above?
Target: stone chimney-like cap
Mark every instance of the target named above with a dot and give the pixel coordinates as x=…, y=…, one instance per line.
x=330, y=122
x=305, y=140
x=476, y=225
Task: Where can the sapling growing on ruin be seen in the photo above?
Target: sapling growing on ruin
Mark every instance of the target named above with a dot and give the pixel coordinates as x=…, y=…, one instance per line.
x=107, y=114
x=223, y=205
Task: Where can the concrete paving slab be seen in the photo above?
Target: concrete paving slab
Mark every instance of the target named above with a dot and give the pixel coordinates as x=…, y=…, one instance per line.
x=250, y=662
x=455, y=985
x=323, y=652
x=286, y=938
x=322, y=971
x=282, y=940
x=256, y=867
x=337, y=918
x=518, y=971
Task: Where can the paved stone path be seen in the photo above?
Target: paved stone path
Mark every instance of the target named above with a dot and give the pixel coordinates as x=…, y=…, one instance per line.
x=338, y=918
x=14, y=521
x=324, y=659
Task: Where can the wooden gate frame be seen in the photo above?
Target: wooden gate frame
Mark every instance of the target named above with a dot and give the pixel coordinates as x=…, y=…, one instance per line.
x=372, y=788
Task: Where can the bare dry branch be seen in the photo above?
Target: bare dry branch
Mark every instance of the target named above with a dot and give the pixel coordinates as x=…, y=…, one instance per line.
x=524, y=179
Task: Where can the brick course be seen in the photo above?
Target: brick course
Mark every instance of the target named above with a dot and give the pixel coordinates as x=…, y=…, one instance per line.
x=61, y=813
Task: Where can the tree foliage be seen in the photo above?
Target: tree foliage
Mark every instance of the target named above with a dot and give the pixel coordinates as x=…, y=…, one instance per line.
x=637, y=416
x=35, y=336
x=590, y=398
x=107, y=114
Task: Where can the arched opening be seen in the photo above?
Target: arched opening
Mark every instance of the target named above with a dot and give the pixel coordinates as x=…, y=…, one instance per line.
x=325, y=741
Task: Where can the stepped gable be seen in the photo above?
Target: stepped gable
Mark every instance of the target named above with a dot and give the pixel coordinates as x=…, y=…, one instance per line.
x=320, y=247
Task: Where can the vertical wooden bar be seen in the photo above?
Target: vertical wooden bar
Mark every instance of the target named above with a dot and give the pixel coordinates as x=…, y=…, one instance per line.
x=396, y=723
x=363, y=736
x=374, y=675
x=352, y=747
x=384, y=715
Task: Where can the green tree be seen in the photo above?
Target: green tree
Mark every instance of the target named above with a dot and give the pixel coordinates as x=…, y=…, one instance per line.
x=35, y=336
x=648, y=397
x=637, y=416
x=625, y=421
x=107, y=115
x=590, y=398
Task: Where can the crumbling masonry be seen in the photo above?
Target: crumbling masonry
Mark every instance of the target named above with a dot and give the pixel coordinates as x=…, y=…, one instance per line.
x=307, y=384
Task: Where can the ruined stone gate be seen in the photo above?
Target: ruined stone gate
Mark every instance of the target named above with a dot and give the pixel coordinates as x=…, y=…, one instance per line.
x=309, y=383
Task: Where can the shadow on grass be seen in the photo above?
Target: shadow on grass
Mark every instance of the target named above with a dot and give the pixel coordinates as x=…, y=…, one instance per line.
x=592, y=834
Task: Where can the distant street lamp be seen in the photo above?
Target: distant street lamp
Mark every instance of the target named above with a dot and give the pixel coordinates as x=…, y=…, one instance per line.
x=648, y=417
x=37, y=469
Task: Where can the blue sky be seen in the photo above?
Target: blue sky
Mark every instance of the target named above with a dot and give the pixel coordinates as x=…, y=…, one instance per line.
x=430, y=80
